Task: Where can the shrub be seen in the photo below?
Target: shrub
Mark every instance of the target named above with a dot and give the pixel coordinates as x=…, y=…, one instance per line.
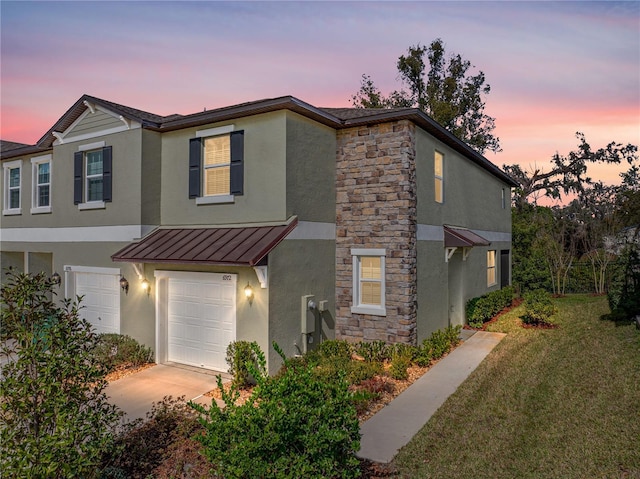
x=117, y=351
x=144, y=444
x=481, y=309
x=538, y=307
x=404, y=349
x=335, y=348
x=358, y=371
x=361, y=398
x=399, y=365
x=55, y=419
x=437, y=345
x=293, y=425
x=239, y=355
x=373, y=351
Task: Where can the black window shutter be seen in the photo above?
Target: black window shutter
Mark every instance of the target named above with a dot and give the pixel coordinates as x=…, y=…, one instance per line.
x=237, y=162
x=195, y=163
x=78, y=161
x=107, y=166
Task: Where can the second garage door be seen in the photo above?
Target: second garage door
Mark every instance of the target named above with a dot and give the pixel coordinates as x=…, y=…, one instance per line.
x=201, y=319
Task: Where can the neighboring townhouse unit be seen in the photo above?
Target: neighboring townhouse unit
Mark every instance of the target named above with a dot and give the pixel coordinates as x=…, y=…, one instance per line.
x=273, y=221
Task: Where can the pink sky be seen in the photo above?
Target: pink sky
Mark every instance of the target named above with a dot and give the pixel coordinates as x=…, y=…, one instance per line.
x=554, y=68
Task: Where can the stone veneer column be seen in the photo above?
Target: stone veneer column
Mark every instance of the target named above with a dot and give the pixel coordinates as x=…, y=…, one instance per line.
x=376, y=208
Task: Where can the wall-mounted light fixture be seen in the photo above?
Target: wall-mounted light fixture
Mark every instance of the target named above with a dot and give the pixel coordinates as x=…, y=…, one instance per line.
x=56, y=279
x=146, y=286
x=124, y=284
x=248, y=291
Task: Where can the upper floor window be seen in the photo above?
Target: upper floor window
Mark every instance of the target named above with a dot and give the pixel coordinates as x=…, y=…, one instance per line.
x=41, y=184
x=216, y=171
x=491, y=268
x=438, y=161
x=504, y=199
x=369, y=281
x=12, y=200
x=92, y=176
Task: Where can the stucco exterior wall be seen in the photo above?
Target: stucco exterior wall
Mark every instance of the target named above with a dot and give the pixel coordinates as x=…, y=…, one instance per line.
x=298, y=268
x=311, y=172
x=127, y=193
x=151, y=181
x=264, y=175
x=472, y=196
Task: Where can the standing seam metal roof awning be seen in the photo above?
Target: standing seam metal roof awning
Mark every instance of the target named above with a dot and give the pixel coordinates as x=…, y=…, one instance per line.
x=462, y=237
x=241, y=246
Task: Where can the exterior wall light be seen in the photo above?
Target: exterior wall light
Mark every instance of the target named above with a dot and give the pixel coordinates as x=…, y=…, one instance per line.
x=146, y=286
x=56, y=279
x=124, y=284
x=248, y=291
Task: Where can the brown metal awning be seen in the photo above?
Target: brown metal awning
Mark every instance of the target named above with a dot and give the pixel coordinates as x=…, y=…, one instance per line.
x=239, y=246
x=455, y=237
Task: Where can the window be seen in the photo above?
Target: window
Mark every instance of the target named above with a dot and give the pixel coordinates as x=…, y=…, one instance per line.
x=369, y=281
x=438, y=161
x=504, y=199
x=92, y=176
x=217, y=165
x=12, y=188
x=216, y=171
x=491, y=268
x=41, y=186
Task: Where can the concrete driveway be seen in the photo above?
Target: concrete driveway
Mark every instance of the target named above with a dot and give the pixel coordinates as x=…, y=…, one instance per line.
x=135, y=394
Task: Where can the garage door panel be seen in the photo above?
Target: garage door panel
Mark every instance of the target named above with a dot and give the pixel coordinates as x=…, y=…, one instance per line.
x=201, y=320
x=100, y=300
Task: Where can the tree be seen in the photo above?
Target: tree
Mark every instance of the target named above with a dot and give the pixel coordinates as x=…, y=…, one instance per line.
x=445, y=91
x=568, y=174
x=55, y=421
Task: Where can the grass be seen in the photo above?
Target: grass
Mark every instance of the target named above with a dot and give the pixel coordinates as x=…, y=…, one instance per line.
x=555, y=403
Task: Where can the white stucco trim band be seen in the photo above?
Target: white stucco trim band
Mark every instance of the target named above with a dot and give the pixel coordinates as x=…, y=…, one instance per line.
x=311, y=230
x=75, y=234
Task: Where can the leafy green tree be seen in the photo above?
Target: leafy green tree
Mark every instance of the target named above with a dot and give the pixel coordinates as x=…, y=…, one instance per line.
x=568, y=174
x=444, y=89
x=55, y=421
x=529, y=267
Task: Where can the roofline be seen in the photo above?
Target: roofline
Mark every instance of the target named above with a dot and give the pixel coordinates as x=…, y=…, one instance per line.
x=266, y=106
x=252, y=108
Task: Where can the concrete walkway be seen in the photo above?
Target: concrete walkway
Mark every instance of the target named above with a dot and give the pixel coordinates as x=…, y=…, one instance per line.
x=136, y=393
x=394, y=426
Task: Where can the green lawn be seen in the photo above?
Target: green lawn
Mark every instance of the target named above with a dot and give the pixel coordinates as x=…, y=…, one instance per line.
x=559, y=403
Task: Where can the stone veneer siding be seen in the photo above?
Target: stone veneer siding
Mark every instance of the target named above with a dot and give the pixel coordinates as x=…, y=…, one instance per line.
x=376, y=208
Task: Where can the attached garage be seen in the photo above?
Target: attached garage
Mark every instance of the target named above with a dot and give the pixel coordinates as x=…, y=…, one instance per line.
x=100, y=293
x=196, y=311
x=201, y=318
x=195, y=318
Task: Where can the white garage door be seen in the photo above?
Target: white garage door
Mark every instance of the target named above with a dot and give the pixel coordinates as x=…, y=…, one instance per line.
x=101, y=302
x=201, y=319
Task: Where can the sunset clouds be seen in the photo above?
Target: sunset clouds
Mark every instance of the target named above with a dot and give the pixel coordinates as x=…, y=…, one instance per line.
x=554, y=68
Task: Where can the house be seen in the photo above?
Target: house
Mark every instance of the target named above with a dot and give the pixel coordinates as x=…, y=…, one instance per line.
x=272, y=220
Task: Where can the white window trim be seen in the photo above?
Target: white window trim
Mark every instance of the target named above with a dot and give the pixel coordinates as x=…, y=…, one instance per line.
x=215, y=199
x=494, y=267
x=6, y=211
x=38, y=160
x=220, y=130
x=92, y=146
x=92, y=205
x=356, y=254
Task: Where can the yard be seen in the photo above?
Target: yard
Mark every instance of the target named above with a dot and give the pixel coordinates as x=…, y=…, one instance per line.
x=553, y=403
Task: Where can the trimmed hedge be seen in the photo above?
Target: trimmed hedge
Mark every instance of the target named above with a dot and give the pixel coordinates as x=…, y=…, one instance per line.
x=481, y=309
x=538, y=307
